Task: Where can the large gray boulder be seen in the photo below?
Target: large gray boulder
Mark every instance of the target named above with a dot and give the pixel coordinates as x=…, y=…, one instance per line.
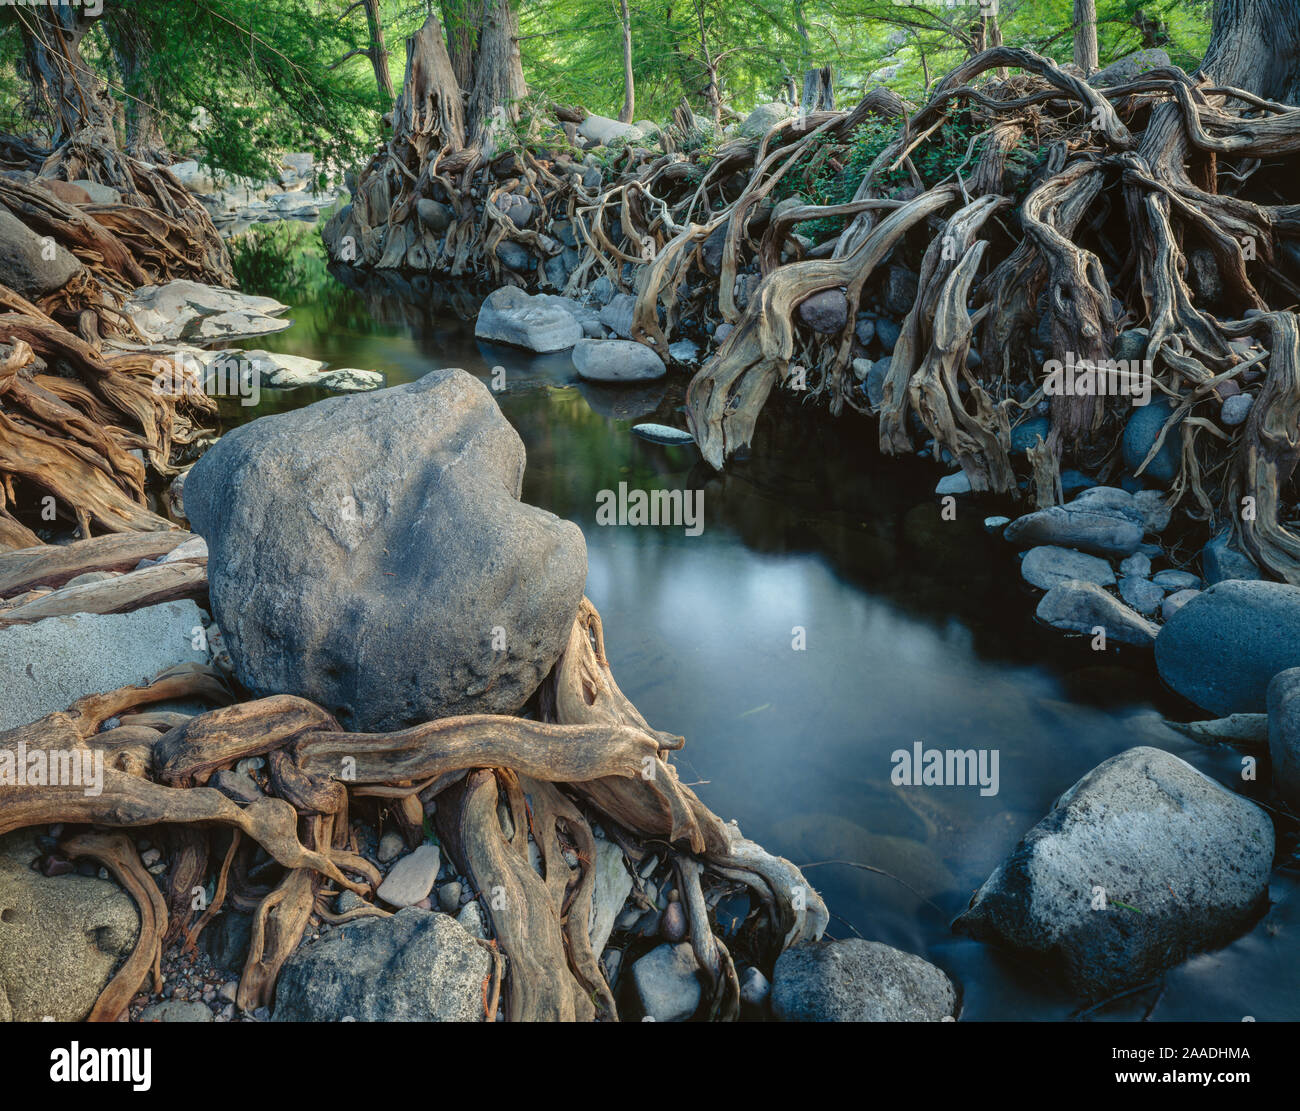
x=417, y=966
x=1141, y=863
x=370, y=552
x=1130, y=67
x=764, y=117
x=1284, y=733
x=859, y=981
x=1224, y=646
x=30, y=264
x=60, y=936
x=509, y=315
x=48, y=665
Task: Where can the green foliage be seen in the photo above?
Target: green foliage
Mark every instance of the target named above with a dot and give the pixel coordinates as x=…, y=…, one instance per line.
x=285, y=260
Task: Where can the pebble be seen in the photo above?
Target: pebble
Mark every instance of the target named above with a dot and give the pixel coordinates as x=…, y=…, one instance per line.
x=412, y=877
x=390, y=846
x=673, y=926
x=1236, y=409
x=1136, y=566
x=1176, y=580
x=471, y=920
x=449, y=897
x=1142, y=594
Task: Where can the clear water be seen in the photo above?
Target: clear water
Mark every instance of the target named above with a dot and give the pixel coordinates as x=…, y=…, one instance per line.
x=917, y=629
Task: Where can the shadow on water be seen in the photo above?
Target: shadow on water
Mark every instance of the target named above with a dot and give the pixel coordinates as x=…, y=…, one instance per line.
x=915, y=629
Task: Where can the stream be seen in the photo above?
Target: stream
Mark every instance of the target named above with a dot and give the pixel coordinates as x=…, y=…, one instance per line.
x=915, y=629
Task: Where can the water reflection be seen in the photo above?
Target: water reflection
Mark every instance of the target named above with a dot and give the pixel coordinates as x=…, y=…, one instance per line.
x=916, y=629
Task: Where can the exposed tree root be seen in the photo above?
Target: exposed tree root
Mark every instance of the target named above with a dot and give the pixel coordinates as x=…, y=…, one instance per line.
x=496, y=781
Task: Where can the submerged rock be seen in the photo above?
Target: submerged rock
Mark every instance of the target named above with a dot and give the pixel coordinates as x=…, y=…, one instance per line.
x=858, y=981
x=1223, y=647
x=417, y=966
x=1141, y=863
x=370, y=552
x=663, y=434
x=509, y=315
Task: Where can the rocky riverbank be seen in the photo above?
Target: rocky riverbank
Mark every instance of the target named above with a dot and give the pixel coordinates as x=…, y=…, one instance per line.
x=316, y=530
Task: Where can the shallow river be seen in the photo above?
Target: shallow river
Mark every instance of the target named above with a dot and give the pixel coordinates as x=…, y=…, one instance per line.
x=915, y=629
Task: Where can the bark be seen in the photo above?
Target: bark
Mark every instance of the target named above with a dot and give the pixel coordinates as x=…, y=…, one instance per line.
x=498, y=71
x=628, y=110
x=1085, y=35
x=818, y=90
x=378, y=50
x=78, y=98
x=1255, y=46
x=460, y=17
x=131, y=46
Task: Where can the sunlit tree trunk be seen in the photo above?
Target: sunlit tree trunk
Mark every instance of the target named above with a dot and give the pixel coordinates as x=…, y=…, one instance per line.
x=1085, y=35
x=629, y=86
x=498, y=70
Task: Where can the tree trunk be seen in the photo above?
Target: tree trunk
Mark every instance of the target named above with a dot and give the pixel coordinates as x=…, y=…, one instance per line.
x=131, y=46
x=458, y=16
x=1255, y=46
x=378, y=51
x=819, y=90
x=1085, y=36
x=629, y=86
x=498, y=71
x=77, y=96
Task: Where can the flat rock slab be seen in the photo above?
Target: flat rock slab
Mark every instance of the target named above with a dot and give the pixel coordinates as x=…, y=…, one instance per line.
x=48, y=665
x=412, y=877
x=185, y=310
x=1141, y=863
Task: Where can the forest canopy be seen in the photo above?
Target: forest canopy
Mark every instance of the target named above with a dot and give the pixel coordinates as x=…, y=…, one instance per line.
x=233, y=81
